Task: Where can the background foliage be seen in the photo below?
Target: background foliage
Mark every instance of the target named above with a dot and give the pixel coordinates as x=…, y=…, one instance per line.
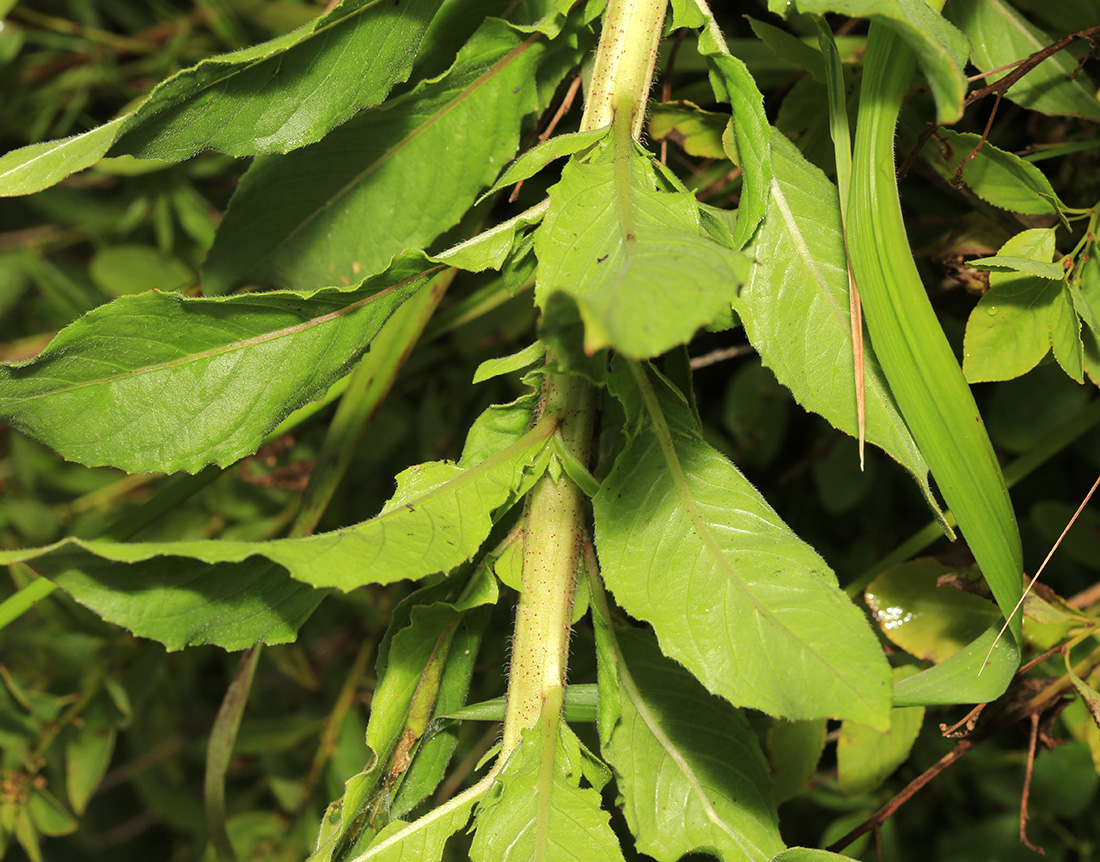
x=114, y=727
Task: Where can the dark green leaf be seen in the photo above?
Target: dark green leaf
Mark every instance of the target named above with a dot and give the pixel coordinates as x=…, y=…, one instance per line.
x=159, y=382
x=1000, y=35
x=340, y=209
x=998, y=177
x=689, y=766
x=941, y=49
x=261, y=99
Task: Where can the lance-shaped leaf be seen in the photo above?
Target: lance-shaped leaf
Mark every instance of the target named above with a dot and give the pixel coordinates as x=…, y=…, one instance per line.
x=262, y=99
x=633, y=254
x=182, y=602
x=328, y=213
x=537, y=810
x=940, y=47
x=924, y=376
x=424, y=667
x=158, y=382
x=689, y=766
x=1001, y=36
x=689, y=546
x=745, y=140
x=795, y=310
x=441, y=514
x=998, y=177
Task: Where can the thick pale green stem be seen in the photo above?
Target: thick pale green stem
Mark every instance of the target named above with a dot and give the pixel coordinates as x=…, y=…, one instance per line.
x=623, y=68
x=551, y=549
x=555, y=516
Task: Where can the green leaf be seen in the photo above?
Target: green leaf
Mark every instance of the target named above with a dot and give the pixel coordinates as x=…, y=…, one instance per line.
x=518, y=361
x=795, y=311
x=1025, y=265
x=437, y=651
x=1000, y=35
x=538, y=811
x=794, y=750
x=88, y=752
x=261, y=99
x=539, y=156
x=424, y=667
x=420, y=841
x=634, y=256
x=929, y=621
x=1065, y=335
x=1023, y=314
x=790, y=48
x=340, y=209
x=941, y=49
x=182, y=602
x=497, y=248
x=159, y=382
x=920, y=365
x=50, y=817
x=39, y=166
x=806, y=854
x=132, y=268
x=441, y=514
x=689, y=765
x=1008, y=332
x=688, y=545
x=997, y=177
x=732, y=82
x=865, y=757
x=978, y=673
x=697, y=132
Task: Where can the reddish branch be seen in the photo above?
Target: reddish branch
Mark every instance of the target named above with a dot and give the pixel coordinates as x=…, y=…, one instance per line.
x=999, y=88
x=1001, y=85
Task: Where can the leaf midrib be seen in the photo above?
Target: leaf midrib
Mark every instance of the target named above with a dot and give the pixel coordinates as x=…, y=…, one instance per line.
x=227, y=348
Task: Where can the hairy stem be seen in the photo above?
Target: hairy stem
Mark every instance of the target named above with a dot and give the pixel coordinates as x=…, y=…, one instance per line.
x=551, y=549
x=625, y=58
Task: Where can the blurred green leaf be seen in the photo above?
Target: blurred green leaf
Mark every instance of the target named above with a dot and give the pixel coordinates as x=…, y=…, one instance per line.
x=866, y=757
x=255, y=100
x=929, y=621
x=131, y=268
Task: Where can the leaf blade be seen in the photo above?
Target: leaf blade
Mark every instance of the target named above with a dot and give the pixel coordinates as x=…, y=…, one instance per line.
x=708, y=538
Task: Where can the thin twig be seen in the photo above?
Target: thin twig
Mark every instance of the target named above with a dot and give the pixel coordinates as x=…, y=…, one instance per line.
x=563, y=109
x=720, y=355
x=1032, y=737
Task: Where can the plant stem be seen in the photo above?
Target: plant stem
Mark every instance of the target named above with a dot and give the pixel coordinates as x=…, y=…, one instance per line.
x=555, y=517
x=625, y=58
x=551, y=550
